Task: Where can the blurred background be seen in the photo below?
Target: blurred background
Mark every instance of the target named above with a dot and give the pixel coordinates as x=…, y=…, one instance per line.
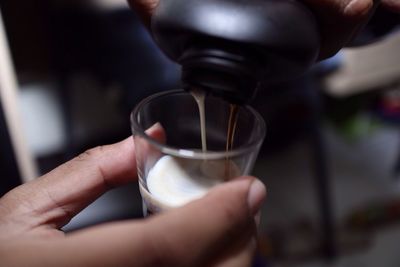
x=71, y=72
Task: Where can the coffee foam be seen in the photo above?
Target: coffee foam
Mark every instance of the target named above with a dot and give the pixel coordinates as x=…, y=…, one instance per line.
x=173, y=182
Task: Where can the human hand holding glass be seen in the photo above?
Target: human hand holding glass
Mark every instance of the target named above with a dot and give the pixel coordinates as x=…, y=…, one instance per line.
x=217, y=230
x=175, y=168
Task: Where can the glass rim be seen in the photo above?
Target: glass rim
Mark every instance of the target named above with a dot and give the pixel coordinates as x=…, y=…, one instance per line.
x=194, y=153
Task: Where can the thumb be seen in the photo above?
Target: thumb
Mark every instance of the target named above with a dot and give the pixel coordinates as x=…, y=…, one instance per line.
x=206, y=232
x=222, y=221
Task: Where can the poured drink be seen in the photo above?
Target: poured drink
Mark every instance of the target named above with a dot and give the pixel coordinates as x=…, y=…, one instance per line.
x=174, y=182
x=203, y=143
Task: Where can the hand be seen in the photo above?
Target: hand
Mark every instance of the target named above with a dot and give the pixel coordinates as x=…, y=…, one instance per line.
x=144, y=8
x=217, y=230
x=339, y=20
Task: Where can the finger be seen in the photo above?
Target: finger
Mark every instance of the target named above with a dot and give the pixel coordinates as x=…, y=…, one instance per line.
x=206, y=226
x=393, y=5
x=339, y=21
x=144, y=8
x=56, y=197
x=354, y=8
x=194, y=235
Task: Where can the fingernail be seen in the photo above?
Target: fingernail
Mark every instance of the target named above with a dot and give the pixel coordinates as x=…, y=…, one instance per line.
x=153, y=128
x=358, y=7
x=256, y=196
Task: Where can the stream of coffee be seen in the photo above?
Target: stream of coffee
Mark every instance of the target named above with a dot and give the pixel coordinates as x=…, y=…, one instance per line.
x=175, y=181
x=199, y=96
x=230, y=137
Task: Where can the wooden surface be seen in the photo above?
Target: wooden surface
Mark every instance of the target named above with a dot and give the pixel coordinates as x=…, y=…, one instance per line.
x=10, y=104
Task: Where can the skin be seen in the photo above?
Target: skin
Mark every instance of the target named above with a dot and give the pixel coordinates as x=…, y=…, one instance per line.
x=340, y=20
x=217, y=230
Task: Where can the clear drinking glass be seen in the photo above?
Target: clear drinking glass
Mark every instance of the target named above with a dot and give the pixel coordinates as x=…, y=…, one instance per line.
x=173, y=169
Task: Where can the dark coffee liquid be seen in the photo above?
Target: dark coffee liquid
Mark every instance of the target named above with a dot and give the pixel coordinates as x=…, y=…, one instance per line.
x=233, y=116
x=230, y=137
